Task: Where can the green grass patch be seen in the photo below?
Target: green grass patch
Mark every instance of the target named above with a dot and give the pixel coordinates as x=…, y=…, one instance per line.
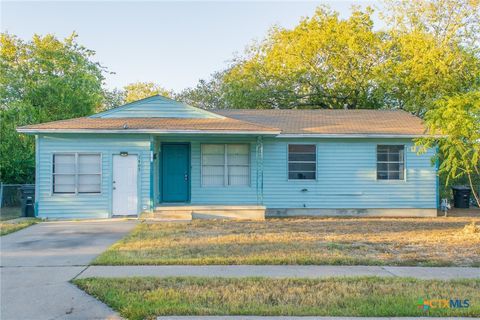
x=146, y=298
x=333, y=241
x=10, y=226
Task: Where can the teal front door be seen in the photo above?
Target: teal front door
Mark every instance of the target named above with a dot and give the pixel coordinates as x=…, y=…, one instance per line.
x=175, y=178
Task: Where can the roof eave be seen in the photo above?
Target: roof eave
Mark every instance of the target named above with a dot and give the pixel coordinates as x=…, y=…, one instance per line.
x=353, y=135
x=149, y=131
x=229, y=132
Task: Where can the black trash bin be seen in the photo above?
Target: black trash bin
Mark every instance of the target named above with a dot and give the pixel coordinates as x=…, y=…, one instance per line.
x=28, y=200
x=461, y=196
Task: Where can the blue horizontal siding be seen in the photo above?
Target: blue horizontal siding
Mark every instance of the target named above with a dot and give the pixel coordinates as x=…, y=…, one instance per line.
x=156, y=106
x=346, y=177
x=88, y=205
x=213, y=195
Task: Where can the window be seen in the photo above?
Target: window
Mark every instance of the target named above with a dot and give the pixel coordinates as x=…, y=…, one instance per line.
x=225, y=165
x=302, y=162
x=390, y=162
x=75, y=173
x=64, y=173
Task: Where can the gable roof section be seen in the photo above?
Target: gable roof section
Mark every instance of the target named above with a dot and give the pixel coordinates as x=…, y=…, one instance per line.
x=156, y=106
x=327, y=122
x=150, y=125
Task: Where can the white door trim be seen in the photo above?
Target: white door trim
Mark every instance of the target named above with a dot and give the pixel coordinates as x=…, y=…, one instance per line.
x=124, y=185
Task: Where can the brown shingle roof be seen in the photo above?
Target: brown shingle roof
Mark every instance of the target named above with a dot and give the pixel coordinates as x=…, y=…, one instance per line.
x=340, y=122
x=170, y=124
x=388, y=122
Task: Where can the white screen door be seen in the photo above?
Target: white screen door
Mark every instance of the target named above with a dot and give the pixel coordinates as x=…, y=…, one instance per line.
x=125, y=173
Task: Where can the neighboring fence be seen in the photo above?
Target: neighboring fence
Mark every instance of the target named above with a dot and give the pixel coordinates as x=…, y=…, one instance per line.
x=11, y=201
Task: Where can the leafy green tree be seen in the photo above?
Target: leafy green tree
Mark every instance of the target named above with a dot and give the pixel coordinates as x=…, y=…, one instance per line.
x=427, y=50
x=112, y=98
x=324, y=62
x=419, y=71
x=430, y=51
x=454, y=123
x=447, y=21
x=17, y=160
x=206, y=94
x=140, y=90
x=43, y=79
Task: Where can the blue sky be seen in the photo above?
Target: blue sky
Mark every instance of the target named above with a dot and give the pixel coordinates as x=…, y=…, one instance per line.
x=173, y=44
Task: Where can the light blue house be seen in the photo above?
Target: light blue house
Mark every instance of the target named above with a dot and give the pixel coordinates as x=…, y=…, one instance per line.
x=159, y=155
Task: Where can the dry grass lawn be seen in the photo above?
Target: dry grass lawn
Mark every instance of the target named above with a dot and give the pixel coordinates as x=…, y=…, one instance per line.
x=146, y=298
x=10, y=226
x=366, y=241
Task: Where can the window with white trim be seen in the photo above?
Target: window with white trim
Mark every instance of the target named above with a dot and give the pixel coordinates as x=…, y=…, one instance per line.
x=390, y=162
x=302, y=162
x=77, y=173
x=225, y=165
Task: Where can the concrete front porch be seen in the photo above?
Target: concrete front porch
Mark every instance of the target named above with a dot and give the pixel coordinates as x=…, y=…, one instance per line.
x=189, y=212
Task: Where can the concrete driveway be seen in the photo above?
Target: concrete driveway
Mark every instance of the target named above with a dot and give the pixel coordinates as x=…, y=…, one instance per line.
x=38, y=262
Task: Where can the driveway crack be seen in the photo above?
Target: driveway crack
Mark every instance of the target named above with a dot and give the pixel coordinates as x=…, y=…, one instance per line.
x=83, y=270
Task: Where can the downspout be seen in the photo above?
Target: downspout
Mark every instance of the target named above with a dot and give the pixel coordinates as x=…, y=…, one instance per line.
x=259, y=158
x=437, y=179
x=1, y=193
x=257, y=182
x=37, y=155
x=152, y=167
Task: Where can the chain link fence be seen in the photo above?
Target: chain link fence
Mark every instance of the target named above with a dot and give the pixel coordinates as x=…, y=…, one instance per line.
x=11, y=200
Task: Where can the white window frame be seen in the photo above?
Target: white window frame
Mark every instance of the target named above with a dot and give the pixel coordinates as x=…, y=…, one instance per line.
x=76, y=174
x=225, y=165
x=315, y=161
x=404, y=163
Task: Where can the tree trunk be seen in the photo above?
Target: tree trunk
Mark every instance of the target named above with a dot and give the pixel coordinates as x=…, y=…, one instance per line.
x=474, y=192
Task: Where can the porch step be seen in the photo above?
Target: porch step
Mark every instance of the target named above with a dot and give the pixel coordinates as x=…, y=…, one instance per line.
x=244, y=212
x=163, y=214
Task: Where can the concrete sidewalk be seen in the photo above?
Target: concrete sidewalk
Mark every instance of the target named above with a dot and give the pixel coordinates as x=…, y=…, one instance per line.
x=295, y=318
x=282, y=271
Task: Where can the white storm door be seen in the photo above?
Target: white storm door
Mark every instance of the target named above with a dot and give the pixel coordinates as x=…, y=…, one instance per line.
x=125, y=182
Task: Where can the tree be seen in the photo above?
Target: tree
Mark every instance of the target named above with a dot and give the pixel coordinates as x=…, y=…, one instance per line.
x=17, y=152
x=432, y=51
x=112, y=98
x=419, y=71
x=43, y=79
x=447, y=21
x=427, y=50
x=140, y=90
x=456, y=122
x=206, y=94
x=324, y=62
